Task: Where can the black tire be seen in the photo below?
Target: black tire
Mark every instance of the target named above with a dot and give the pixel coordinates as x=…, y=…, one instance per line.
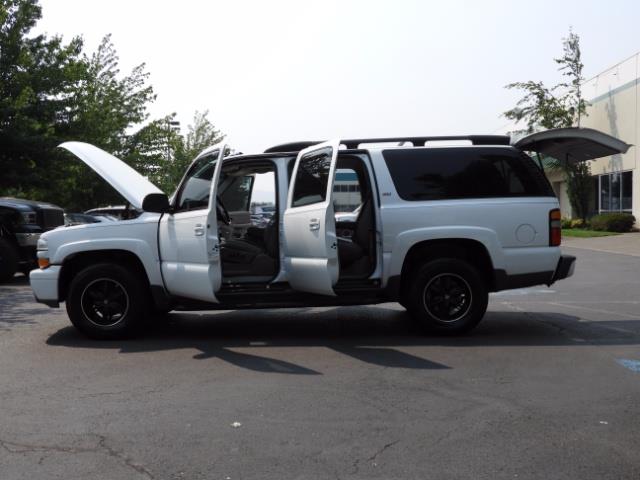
x=9, y=259
x=108, y=302
x=447, y=296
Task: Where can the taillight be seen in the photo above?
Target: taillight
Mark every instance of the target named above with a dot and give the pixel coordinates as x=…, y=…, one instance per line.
x=555, y=228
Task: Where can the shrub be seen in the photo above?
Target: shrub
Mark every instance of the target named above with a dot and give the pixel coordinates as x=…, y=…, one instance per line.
x=573, y=223
x=578, y=223
x=613, y=222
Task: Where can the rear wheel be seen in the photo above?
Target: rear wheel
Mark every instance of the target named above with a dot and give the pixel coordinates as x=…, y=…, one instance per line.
x=8, y=260
x=107, y=301
x=447, y=296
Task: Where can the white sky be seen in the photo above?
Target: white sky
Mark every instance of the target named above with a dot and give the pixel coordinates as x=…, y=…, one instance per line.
x=277, y=71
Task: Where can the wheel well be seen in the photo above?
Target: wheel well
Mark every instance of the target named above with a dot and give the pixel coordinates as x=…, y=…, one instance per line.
x=471, y=251
x=79, y=261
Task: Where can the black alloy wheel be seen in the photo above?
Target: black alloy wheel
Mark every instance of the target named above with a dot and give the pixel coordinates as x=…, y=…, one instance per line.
x=108, y=301
x=447, y=295
x=105, y=302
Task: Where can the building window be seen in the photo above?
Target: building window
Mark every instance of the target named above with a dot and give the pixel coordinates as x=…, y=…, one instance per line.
x=347, y=188
x=616, y=191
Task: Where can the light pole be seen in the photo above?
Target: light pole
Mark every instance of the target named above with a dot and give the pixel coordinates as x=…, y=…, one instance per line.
x=172, y=126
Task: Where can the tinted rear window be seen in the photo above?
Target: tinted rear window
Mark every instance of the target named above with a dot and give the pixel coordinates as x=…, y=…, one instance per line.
x=447, y=173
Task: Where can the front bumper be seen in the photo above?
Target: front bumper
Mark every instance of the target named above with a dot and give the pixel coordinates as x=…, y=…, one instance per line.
x=44, y=284
x=565, y=267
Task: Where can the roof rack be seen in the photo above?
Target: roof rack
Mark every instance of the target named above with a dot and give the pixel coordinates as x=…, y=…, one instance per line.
x=416, y=141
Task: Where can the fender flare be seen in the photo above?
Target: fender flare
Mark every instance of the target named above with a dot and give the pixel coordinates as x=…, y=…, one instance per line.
x=407, y=239
x=141, y=249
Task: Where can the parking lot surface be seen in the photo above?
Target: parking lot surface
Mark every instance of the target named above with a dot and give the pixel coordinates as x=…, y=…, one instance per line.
x=547, y=387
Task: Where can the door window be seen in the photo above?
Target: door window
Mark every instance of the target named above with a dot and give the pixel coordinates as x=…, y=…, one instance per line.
x=194, y=194
x=312, y=178
x=235, y=192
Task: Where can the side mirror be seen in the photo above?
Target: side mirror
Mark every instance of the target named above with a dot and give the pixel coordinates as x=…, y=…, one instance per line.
x=156, y=203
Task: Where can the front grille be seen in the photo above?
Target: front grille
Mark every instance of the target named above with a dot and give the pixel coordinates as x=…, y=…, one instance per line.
x=51, y=218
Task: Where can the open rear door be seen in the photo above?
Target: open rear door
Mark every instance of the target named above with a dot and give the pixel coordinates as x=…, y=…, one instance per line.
x=311, y=256
x=572, y=144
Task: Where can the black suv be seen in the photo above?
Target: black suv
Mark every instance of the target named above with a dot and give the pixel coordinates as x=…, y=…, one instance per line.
x=21, y=223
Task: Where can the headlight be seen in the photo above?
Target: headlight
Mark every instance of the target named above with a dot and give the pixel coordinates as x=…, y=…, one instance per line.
x=43, y=253
x=42, y=244
x=29, y=218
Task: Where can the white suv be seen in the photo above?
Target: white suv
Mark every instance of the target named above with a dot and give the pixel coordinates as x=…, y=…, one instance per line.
x=439, y=227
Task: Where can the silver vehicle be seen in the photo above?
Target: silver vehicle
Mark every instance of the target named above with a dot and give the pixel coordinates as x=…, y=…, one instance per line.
x=438, y=229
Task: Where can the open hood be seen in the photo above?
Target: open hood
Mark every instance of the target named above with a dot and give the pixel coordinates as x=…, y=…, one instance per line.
x=572, y=144
x=129, y=183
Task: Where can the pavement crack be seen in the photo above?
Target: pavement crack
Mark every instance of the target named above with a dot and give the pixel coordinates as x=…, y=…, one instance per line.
x=101, y=447
x=128, y=461
x=15, y=447
x=355, y=466
x=381, y=451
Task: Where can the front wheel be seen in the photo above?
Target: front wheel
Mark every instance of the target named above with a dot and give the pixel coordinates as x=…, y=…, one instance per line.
x=448, y=296
x=107, y=301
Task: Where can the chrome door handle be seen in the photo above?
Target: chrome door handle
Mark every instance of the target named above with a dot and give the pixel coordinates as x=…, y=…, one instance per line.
x=198, y=230
x=314, y=224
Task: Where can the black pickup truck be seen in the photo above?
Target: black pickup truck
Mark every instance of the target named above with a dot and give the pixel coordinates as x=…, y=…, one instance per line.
x=21, y=223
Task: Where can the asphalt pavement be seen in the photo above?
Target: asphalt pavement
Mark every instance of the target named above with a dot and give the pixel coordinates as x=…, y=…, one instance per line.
x=547, y=387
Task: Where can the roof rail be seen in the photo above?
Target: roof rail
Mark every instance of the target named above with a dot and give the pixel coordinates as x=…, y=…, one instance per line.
x=416, y=141
x=292, y=146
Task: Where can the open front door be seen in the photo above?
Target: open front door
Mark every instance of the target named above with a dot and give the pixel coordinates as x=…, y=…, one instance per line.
x=311, y=256
x=572, y=144
x=189, y=240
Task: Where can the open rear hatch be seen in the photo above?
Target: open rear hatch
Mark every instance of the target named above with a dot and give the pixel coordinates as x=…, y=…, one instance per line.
x=572, y=144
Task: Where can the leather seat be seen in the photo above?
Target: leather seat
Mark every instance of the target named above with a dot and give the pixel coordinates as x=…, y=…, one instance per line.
x=254, y=257
x=351, y=250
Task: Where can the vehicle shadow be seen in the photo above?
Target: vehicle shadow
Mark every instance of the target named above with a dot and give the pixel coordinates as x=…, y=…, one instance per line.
x=374, y=335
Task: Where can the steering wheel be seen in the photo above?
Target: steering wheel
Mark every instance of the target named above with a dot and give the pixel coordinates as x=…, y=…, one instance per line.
x=222, y=212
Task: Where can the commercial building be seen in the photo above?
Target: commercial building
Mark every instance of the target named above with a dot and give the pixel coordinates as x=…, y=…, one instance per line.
x=614, y=105
x=346, y=190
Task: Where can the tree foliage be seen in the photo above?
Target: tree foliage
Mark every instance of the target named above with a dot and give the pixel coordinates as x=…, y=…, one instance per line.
x=37, y=80
x=105, y=107
x=559, y=106
x=201, y=133
x=51, y=92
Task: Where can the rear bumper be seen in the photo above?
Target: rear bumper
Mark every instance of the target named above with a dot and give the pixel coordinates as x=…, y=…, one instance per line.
x=44, y=284
x=564, y=269
x=566, y=265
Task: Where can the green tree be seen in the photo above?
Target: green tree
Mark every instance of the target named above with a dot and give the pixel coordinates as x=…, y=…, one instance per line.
x=201, y=133
x=556, y=107
x=150, y=151
x=51, y=92
x=106, y=107
x=37, y=80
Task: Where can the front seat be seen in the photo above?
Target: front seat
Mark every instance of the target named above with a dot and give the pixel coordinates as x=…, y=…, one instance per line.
x=350, y=250
x=244, y=258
